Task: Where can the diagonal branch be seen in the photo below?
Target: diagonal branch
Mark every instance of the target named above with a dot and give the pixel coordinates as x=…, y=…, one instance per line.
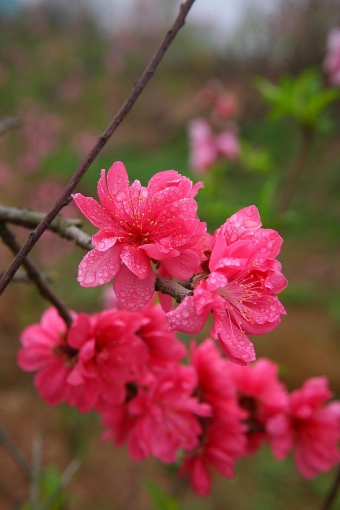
x=33, y=274
x=331, y=496
x=103, y=139
x=15, y=453
x=9, y=123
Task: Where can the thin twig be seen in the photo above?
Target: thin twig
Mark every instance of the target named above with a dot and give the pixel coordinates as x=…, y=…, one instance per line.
x=103, y=139
x=19, y=277
x=31, y=219
x=34, y=274
x=330, y=498
x=15, y=453
x=66, y=477
x=36, y=470
x=296, y=169
x=9, y=123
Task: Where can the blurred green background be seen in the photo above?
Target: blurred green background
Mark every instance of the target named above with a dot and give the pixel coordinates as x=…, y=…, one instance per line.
x=65, y=74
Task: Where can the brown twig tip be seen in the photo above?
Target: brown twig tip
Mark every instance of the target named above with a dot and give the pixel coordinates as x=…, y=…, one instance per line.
x=101, y=142
x=9, y=123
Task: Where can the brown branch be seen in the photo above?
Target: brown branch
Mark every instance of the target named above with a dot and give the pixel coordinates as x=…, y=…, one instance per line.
x=15, y=453
x=296, y=169
x=172, y=288
x=330, y=498
x=68, y=229
x=9, y=123
x=33, y=274
x=103, y=139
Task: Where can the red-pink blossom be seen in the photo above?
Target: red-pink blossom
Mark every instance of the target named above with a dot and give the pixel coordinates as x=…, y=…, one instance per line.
x=139, y=225
x=239, y=287
x=162, y=418
x=332, y=61
x=228, y=145
x=90, y=362
x=315, y=427
x=263, y=397
x=226, y=106
x=223, y=439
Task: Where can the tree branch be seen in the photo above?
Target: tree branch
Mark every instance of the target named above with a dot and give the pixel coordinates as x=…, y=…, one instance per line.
x=68, y=229
x=33, y=274
x=15, y=453
x=330, y=498
x=103, y=139
x=9, y=123
x=172, y=288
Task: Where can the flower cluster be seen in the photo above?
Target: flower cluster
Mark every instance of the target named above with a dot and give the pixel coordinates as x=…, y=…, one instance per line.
x=125, y=362
x=217, y=137
x=209, y=413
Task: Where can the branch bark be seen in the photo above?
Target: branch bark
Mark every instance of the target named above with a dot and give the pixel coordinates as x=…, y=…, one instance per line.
x=330, y=498
x=8, y=124
x=34, y=274
x=103, y=139
x=15, y=453
x=68, y=229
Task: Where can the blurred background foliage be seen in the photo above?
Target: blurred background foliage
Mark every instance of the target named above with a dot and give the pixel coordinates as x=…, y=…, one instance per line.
x=65, y=72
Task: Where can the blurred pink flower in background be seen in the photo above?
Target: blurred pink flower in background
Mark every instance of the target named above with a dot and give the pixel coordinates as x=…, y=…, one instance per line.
x=72, y=88
x=84, y=142
x=332, y=60
x=206, y=148
x=41, y=132
x=226, y=106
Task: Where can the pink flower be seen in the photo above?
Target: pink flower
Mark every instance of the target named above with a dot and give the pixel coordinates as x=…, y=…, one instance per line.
x=263, y=397
x=90, y=362
x=228, y=145
x=203, y=149
x=239, y=288
x=226, y=106
x=139, y=225
x=315, y=427
x=223, y=439
x=332, y=61
x=206, y=148
x=161, y=419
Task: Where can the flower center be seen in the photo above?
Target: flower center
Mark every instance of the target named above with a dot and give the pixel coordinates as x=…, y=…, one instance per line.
x=241, y=292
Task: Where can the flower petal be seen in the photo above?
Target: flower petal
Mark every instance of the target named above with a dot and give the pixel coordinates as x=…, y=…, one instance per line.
x=185, y=318
x=99, y=267
x=132, y=292
x=93, y=211
x=136, y=260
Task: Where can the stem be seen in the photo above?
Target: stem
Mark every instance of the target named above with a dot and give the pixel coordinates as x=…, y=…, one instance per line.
x=296, y=169
x=103, y=139
x=69, y=229
x=9, y=123
x=330, y=498
x=172, y=288
x=15, y=453
x=34, y=274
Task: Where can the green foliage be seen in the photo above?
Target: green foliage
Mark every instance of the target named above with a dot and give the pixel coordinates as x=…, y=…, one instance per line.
x=255, y=159
x=50, y=488
x=301, y=97
x=161, y=501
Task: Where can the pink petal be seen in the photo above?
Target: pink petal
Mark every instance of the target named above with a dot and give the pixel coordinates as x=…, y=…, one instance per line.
x=136, y=260
x=93, y=211
x=79, y=332
x=132, y=292
x=118, y=182
x=182, y=267
x=236, y=346
x=99, y=267
x=105, y=238
x=185, y=318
